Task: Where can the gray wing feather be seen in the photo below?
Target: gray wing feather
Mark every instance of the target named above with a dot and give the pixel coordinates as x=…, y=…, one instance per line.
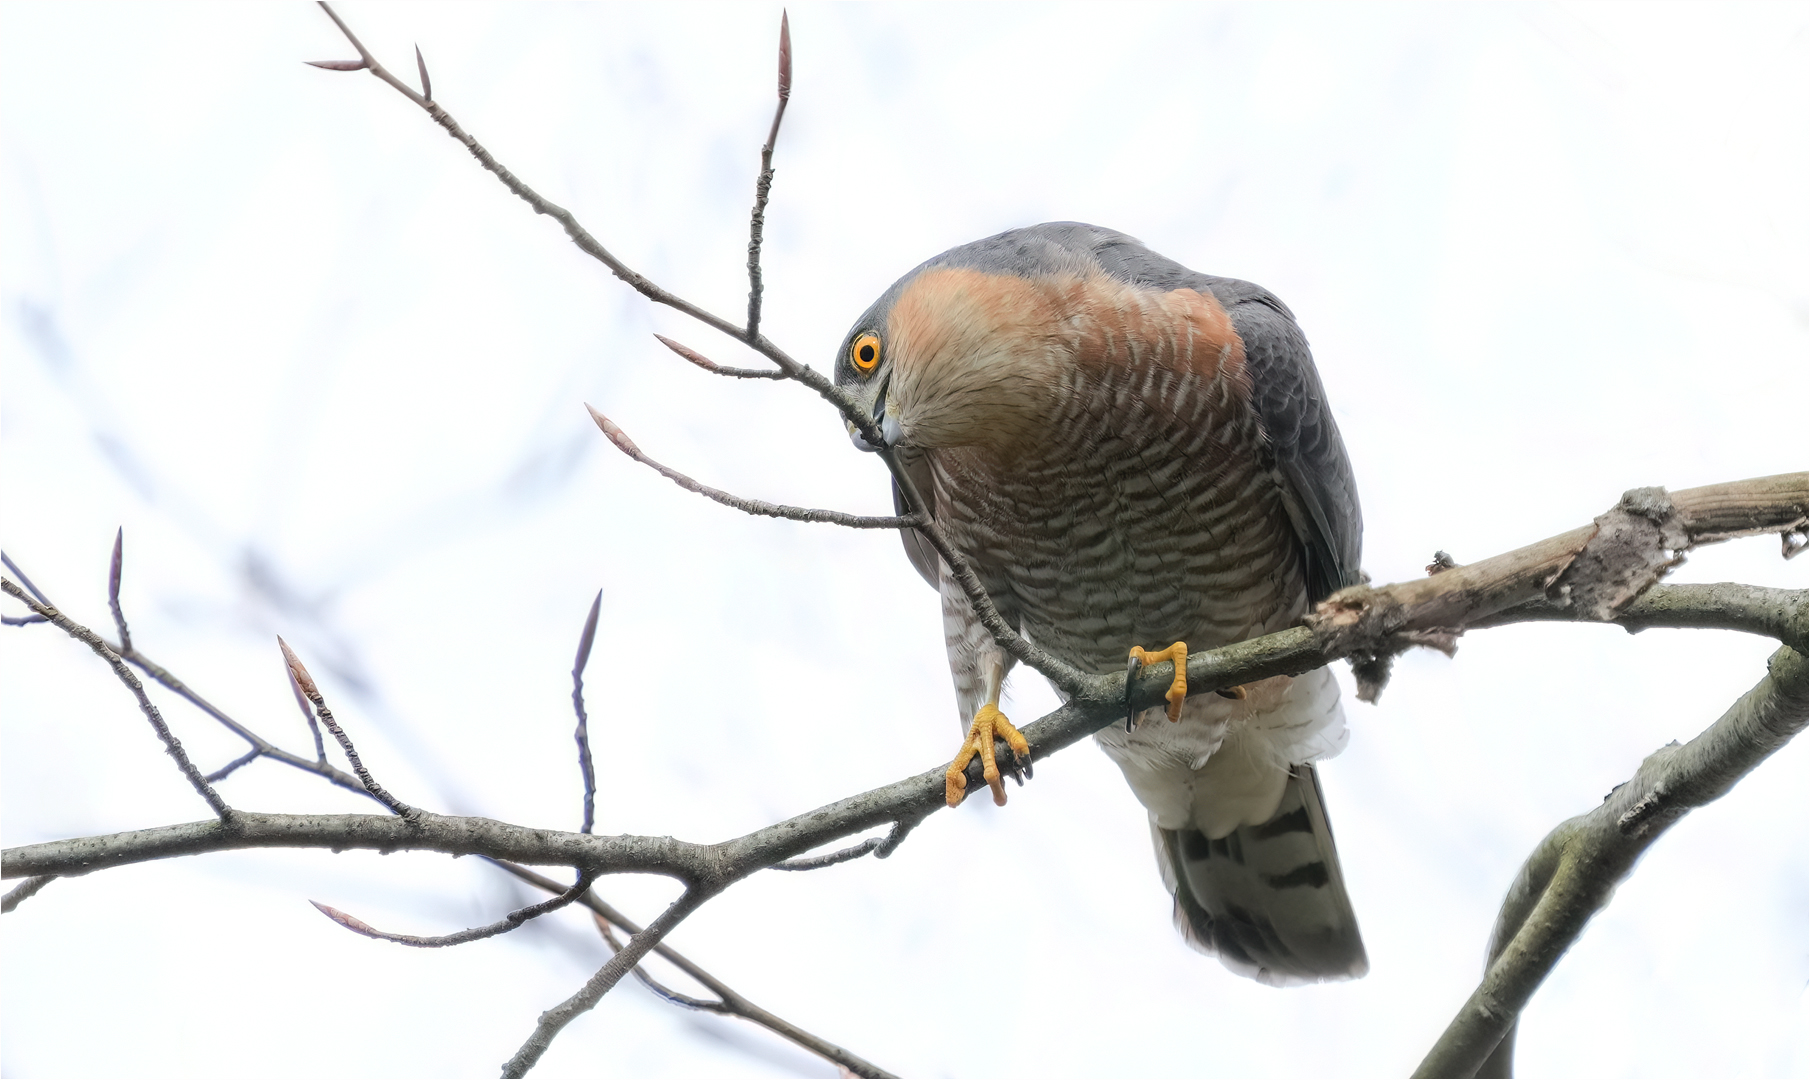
x=1309, y=454
x=923, y=557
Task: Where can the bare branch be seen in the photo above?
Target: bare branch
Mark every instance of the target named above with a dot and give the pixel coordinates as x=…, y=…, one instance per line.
x=1753, y=609
x=1573, y=873
x=172, y=745
x=1100, y=701
x=313, y=694
x=265, y=748
x=715, y=368
x=514, y=920
x=427, y=84
x=25, y=890
x=763, y=186
x=748, y=506
x=583, y=732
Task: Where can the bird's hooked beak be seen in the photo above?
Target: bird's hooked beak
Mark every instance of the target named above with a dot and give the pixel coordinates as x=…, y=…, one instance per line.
x=888, y=424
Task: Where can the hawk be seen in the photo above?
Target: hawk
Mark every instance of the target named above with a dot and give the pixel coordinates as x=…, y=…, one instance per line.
x=1134, y=454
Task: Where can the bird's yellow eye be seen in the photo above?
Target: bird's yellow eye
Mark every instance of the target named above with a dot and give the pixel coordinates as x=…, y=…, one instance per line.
x=865, y=352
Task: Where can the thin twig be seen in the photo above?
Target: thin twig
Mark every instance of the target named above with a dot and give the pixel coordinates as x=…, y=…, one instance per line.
x=234, y=765
x=25, y=890
x=504, y=925
x=818, y=862
x=728, y=1001
x=1574, y=872
x=715, y=368
x=306, y=682
x=7, y=560
x=172, y=745
x=583, y=733
x=881, y=846
x=763, y=186
x=748, y=506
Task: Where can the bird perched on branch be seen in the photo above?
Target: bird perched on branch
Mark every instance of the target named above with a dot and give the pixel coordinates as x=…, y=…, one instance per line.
x=1133, y=454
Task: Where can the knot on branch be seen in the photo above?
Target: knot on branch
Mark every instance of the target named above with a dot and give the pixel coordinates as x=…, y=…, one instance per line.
x=1652, y=810
x=1371, y=627
x=1637, y=542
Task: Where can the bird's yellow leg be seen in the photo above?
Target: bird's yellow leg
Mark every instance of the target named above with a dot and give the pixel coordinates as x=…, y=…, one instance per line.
x=988, y=724
x=1178, y=688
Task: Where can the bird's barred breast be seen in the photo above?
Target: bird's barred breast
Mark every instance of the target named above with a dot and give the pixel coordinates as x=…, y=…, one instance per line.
x=1139, y=514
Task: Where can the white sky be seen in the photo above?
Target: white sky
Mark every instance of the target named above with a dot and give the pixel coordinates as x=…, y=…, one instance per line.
x=329, y=376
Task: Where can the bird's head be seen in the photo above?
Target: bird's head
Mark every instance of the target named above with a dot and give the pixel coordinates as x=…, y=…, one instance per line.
x=864, y=369
x=955, y=355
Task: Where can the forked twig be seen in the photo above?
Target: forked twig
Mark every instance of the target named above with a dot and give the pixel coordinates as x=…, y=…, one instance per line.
x=748, y=506
x=305, y=682
x=728, y=1003
x=172, y=745
x=880, y=846
x=715, y=368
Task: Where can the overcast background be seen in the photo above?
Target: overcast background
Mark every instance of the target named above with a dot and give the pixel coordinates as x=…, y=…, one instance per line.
x=330, y=378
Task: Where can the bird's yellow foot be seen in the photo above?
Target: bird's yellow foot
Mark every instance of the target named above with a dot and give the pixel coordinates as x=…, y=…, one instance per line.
x=989, y=724
x=1178, y=688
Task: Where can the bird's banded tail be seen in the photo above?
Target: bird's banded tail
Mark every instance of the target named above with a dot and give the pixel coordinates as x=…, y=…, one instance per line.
x=1269, y=900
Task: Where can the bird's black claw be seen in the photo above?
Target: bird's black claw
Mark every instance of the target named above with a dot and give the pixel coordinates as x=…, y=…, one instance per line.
x=1132, y=667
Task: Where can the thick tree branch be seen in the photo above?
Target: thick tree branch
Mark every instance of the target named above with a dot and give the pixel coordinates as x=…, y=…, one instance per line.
x=1779, y=614
x=1287, y=652
x=1597, y=570
x=1573, y=873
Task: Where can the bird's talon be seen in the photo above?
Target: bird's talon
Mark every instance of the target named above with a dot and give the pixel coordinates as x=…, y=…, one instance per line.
x=988, y=724
x=1235, y=693
x=1132, y=666
x=1178, y=687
